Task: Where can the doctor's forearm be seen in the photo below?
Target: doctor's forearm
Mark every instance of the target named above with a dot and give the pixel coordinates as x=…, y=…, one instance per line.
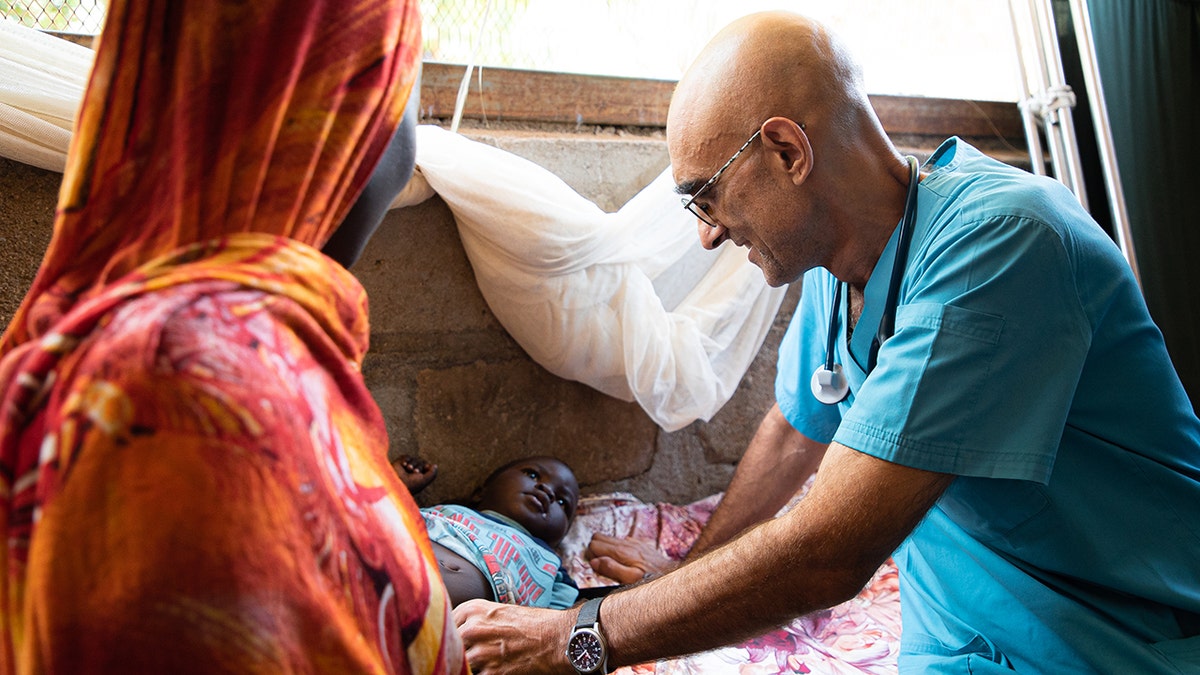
x=775, y=465
x=737, y=591
x=816, y=555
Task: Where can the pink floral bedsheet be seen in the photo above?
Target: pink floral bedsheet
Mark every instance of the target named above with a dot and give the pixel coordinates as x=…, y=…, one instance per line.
x=856, y=637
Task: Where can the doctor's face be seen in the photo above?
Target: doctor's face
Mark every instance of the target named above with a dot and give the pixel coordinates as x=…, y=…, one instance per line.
x=742, y=203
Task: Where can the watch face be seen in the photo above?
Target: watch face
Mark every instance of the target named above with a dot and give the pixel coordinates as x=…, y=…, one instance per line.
x=585, y=650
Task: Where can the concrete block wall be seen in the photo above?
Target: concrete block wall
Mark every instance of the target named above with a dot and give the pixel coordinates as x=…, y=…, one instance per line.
x=27, y=199
x=453, y=386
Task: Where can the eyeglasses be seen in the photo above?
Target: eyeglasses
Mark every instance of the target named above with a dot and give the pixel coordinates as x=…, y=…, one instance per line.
x=697, y=210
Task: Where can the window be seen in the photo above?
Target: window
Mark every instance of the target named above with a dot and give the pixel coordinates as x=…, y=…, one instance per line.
x=933, y=67
x=937, y=48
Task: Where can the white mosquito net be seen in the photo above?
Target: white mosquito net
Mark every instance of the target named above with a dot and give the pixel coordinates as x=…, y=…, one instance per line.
x=41, y=84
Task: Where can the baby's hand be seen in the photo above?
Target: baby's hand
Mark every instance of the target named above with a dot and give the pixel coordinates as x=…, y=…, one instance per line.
x=414, y=472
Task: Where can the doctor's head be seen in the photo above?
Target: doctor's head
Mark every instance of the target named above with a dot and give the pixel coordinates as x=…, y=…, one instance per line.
x=775, y=147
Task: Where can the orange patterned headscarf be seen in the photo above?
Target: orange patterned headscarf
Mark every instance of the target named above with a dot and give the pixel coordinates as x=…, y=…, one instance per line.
x=207, y=118
x=193, y=476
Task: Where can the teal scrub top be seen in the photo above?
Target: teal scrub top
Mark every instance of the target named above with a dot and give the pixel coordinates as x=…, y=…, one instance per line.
x=1024, y=361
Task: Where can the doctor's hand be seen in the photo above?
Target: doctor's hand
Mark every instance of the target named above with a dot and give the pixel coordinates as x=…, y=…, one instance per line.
x=504, y=639
x=626, y=561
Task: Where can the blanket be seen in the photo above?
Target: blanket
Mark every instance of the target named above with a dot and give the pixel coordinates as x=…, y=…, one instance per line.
x=860, y=636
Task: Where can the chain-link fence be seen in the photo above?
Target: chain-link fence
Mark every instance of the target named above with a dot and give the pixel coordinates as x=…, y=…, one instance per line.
x=480, y=31
x=455, y=30
x=83, y=17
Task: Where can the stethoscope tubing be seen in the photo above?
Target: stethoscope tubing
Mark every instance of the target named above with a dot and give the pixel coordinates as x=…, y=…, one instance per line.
x=829, y=384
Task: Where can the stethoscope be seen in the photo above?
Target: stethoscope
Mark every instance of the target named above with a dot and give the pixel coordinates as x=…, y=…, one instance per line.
x=829, y=383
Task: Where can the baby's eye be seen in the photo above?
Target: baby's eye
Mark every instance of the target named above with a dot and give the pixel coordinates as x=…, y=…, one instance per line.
x=531, y=473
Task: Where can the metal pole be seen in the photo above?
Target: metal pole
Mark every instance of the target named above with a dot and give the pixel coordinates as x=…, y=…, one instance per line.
x=1049, y=99
x=1058, y=100
x=1029, y=117
x=1108, y=156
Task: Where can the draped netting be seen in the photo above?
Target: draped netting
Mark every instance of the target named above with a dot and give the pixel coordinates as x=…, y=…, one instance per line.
x=625, y=302
x=41, y=83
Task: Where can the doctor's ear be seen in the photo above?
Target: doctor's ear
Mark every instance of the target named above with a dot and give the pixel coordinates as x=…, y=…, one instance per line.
x=789, y=141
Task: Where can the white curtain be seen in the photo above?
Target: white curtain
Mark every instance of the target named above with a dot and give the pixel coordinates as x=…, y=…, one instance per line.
x=625, y=302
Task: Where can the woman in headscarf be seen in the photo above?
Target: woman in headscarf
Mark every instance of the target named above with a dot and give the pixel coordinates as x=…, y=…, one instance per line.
x=193, y=474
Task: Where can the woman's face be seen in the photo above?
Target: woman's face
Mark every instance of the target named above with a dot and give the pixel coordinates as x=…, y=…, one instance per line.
x=540, y=493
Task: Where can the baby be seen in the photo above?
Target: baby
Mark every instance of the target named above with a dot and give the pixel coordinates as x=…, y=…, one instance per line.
x=501, y=546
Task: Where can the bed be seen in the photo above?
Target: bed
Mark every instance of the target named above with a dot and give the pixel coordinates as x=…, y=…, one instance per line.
x=859, y=636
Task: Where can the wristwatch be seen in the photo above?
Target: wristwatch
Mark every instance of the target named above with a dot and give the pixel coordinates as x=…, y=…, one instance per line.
x=586, y=649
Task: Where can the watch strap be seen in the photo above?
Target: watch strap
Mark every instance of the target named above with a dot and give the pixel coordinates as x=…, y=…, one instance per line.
x=589, y=613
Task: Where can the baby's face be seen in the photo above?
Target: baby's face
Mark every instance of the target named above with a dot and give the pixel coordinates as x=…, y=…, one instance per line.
x=540, y=493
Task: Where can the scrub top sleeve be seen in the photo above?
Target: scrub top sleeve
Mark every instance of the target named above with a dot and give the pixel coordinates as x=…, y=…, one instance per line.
x=981, y=371
x=800, y=352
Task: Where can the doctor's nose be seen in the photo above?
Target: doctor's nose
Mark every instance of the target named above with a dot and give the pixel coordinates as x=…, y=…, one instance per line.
x=711, y=236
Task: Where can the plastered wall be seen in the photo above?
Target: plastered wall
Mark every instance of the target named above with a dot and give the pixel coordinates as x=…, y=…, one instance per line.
x=453, y=386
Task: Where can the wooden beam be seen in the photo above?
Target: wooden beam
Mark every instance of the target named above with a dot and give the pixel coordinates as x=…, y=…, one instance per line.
x=511, y=95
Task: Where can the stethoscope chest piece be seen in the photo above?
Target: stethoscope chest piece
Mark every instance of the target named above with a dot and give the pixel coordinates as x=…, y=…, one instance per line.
x=829, y=384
